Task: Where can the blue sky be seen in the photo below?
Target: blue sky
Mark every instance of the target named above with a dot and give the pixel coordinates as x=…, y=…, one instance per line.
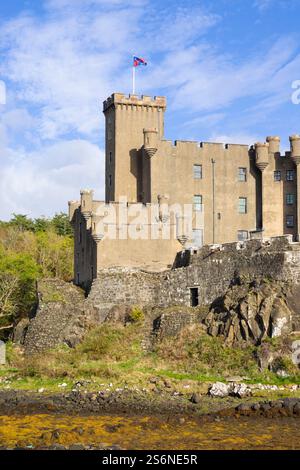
x=226, y=67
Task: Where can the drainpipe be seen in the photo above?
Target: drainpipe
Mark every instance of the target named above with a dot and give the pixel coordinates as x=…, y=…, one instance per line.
x=213, y=196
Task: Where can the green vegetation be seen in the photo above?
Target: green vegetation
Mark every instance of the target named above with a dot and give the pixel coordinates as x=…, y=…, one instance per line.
x=30, y=250
x=136, y=314
x=112, y=353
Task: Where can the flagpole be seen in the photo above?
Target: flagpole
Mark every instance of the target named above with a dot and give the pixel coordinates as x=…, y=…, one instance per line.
x=133, y=80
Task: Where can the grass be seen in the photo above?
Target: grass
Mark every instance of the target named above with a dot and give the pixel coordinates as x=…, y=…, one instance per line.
x=112, y=354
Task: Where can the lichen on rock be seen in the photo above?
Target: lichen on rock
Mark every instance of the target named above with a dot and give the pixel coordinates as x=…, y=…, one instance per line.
x=252, y=312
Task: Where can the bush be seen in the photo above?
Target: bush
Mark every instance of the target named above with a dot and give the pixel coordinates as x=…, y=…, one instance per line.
x=96, y=355
x=195, y=351
x=286, y=364
x=136, y=315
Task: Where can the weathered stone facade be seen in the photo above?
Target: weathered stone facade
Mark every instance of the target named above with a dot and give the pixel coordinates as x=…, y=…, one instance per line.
x=235, y=192
x=211, y=270
x=225, y=275
x=60, y=317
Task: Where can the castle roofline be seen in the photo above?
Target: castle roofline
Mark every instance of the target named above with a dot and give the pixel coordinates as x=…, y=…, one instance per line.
x=135, y=100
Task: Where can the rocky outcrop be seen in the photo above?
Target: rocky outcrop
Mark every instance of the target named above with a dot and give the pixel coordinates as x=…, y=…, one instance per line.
x=222, y=390
x=252, y=312
x=60, y=317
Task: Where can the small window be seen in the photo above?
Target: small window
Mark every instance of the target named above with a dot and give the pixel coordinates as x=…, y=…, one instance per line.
x=194, y=296
x=290, y=221
x=242, y=235
x=242, y=205
x=242, y=174
x=290, y=199
x=110, y=157
x=198, y=203
x=277, y=175
x=290, y=175
x=197, y=172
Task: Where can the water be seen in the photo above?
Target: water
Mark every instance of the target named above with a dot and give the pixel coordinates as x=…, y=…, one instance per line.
x=150, y=433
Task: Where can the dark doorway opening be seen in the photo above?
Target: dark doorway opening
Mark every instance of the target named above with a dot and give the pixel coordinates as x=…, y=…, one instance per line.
x=194, y=296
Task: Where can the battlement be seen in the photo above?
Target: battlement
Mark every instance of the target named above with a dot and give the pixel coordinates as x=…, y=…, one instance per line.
x=247, y=249
x=135, y=100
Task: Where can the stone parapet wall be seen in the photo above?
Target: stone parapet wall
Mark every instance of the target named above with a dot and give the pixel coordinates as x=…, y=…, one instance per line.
x=212, y=270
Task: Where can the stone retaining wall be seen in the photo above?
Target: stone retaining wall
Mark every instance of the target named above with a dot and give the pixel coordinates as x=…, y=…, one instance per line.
x=211, y=270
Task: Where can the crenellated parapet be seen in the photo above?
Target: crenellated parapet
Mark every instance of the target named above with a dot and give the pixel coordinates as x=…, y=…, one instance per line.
x=134, y=100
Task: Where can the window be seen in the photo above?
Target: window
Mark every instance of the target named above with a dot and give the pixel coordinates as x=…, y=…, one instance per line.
x=242, y=174
x=194, y=296
x=197, y=172
x=277, y=175
x=197, y=237
x=198, y=203
x=290, y=175
x=290, y=199
x=290, y=221
x=110, y=157
x=242, y=235
x=242, y=205
x=110, y=180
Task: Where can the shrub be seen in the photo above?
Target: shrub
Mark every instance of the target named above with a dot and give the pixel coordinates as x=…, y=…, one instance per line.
x=136, y=315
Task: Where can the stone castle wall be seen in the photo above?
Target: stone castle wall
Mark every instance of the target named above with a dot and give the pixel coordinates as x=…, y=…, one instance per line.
x=64, y=315
x=211, y=270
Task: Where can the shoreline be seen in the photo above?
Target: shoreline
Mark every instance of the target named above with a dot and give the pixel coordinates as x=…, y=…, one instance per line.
x=132, y=403
x=91, y=421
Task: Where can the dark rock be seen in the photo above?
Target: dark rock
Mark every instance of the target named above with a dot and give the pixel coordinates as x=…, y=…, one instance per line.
x=248, y=312
x=195, y=398
x=55, y=434
x=256, y=407
x=289, y=403
x=244, y=407
x=76, y=447
x=57, y=447
x=296, y=409
x=276, y=404
x=265, y=407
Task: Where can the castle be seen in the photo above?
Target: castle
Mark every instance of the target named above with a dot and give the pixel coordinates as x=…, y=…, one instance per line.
x=163, y=197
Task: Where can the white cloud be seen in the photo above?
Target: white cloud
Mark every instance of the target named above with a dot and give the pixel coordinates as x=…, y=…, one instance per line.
x=263, y=5
x=238, y=138
x=35, y=183
x=62, y=65
x=66, y=67
x=214, y=81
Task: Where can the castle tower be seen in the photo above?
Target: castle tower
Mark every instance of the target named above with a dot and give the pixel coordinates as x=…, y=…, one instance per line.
x=262, y=161
x=126, y=117
x=295, y=154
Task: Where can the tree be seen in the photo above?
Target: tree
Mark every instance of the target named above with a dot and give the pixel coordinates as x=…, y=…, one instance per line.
x=62, y=224
x=54, y=255
x=41, y=224
x=22, y=222
x=18, y=275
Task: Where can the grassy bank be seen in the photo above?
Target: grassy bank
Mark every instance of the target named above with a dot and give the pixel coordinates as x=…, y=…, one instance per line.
x=111, y=356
